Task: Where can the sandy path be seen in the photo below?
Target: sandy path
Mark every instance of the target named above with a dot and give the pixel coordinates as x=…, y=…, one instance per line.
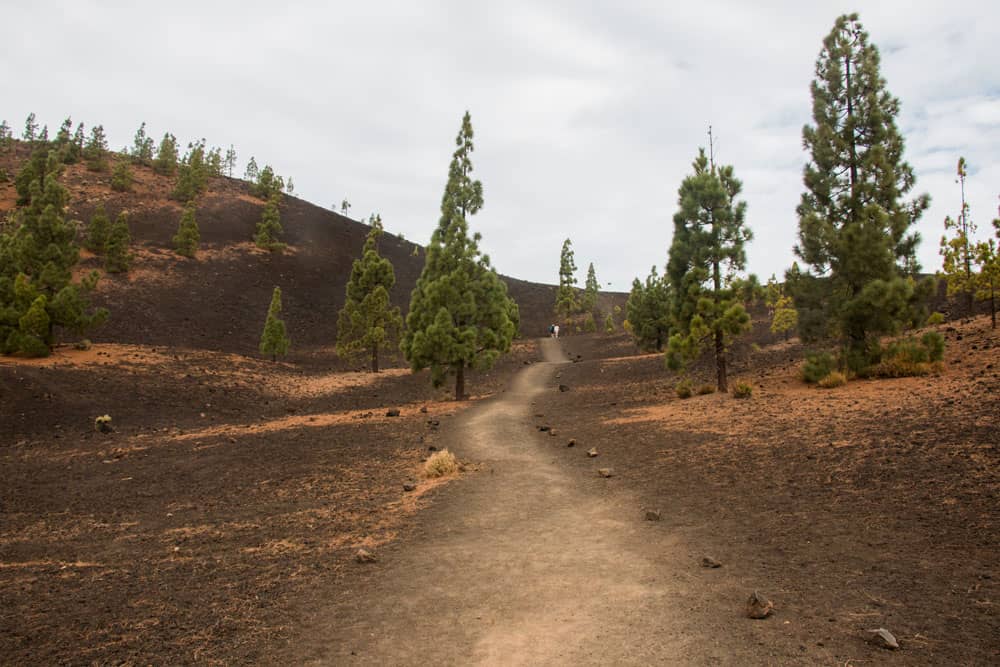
x=517, y=564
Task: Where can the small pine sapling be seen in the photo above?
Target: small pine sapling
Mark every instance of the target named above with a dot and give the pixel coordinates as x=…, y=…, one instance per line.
x=188, y=235
x=274, y=340
x=98, y=231
x=269, y=227
x=121, y=177
x=119, y=255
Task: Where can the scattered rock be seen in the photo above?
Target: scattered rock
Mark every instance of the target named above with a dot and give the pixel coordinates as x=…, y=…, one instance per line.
x=433, y=423
x=571, y=443
x=604, y=472
x=563, y=387
x=592, y=452
x=653, y=515
x=423, y=409
x=432, y=448
x=883, y=639
x=552, y=431
x=759, y=606
x=365, y=556
x=544, y=428
x=392, y=413
x=710, y=562
x=409, y=486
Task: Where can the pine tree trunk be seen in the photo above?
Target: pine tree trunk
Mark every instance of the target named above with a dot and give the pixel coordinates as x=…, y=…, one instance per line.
x=460, y=382
x=374, y=358
x=720, y=362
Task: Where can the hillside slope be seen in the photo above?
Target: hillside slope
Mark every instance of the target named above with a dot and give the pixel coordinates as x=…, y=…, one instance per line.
x=219, y=300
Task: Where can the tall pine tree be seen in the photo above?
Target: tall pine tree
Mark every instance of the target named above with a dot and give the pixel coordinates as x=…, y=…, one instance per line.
x=707, y=252
x=188, y=235
x=460, y=315
x=37, y=256
x=367, y=322
x=854, y=226
x=166, y=156
x=590, y=290
x=959, y=251
x=269, y=227
x=566, y=302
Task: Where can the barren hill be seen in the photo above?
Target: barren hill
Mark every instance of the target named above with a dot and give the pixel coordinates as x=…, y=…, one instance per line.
x=218, y=301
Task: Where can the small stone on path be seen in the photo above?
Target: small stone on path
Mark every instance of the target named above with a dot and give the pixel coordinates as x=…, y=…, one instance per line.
x=571, y=443
x=592, y=452
x=409, y=486
x=759, y=606
x=883, y=639
x=543, y=429
x=710, y=562
x=604, y=472
x=365, y=556
x=563, y=387
x=392, y=413
x=653, y=515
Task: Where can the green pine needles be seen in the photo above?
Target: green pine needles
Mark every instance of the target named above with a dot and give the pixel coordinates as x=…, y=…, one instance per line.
x=566, y=301
x=274, y=340
x=460, y=315
x=37, y=256
x=269, y=227
x=188, y=235
x=854, y=226
x=119, y=257
x=368, y=323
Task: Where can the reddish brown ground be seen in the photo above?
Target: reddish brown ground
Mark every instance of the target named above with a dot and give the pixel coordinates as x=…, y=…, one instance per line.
x=876, y=504
x=231, y=488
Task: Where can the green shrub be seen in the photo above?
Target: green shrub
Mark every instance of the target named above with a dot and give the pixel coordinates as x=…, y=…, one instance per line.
x=706, y=389
x=589, y=324
x=817, y=366
x=609, y=324
x=910, y=357
x=935, y=318
x=683, y=389
x=742, y=389
x=833, y=379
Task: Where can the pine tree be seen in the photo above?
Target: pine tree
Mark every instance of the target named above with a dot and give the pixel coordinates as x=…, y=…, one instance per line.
x=43, y=136
x=230, y=161
x=37, y=256
x=268, y=184
x=188, y=235
x=460, y=315
x=706, y=253
x=274, y=340
x=79, y=139
x=647, y=311
x=566, y=302
x=121, y=176
x=345, y=206
x=98, y=231
x=367, y=322
x=785, y=318
x=30, y=128
x=214, y=162
x=269, y=227
x=987, y=283
x=166, y=156
x=31, y=172
x=192, y=173
x=6, y=139
x=609, y=324
x=854, y=227
x=142, y=147
x=64, y=143
x=119, y=256
x=959, y=252
x=590, y=290
x=95, y=153
x=252, y=172
x=290, y=187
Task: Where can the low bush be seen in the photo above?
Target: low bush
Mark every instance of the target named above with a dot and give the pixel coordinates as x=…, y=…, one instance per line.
x=817, y=366
x=742, y=389
x=833, y=379
x=935, y=318
x=910, y=357
x=440, y=464
x=706, y=389
x=683, y=389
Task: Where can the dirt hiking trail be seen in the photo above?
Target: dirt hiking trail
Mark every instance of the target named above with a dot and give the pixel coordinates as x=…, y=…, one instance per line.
x=516, y=565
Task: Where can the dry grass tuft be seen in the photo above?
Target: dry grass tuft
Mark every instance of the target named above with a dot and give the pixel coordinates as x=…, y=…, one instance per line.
x=833, y=379
x=440, y=464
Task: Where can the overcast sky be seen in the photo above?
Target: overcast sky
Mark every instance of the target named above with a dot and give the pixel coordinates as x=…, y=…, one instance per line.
x=587, y=114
